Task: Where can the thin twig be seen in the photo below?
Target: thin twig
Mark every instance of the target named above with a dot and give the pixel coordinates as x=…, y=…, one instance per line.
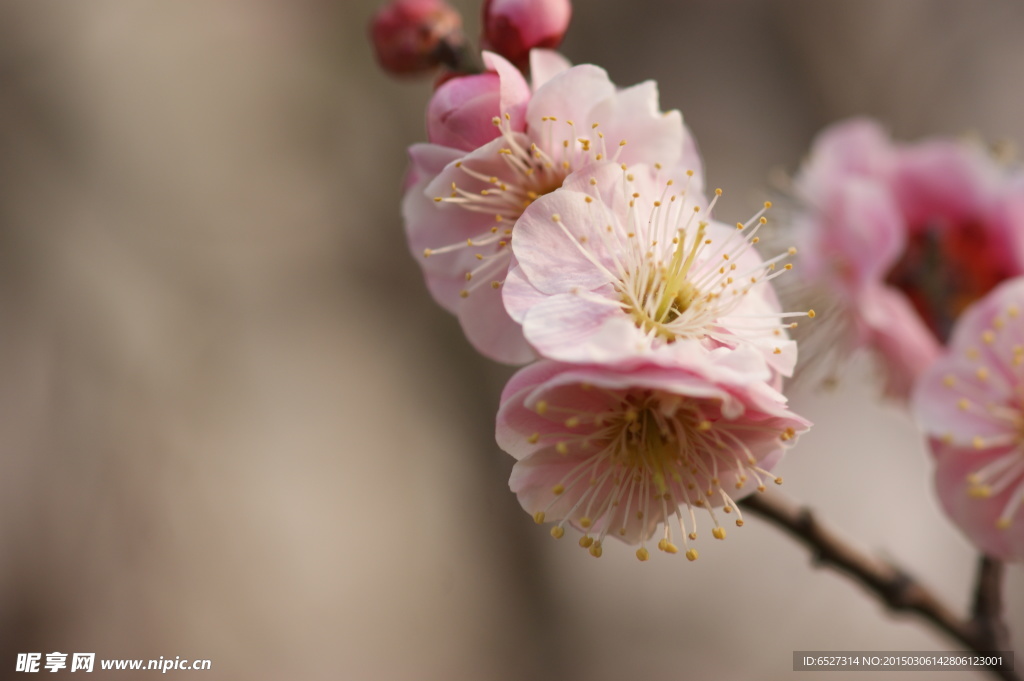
x=988, y=604
x=894, y=586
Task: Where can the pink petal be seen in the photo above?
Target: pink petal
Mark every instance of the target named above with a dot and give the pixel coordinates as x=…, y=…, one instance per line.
x=545, y=65
x=490, y=329
x=570, y=95
x=515, y=92
x=632, y=115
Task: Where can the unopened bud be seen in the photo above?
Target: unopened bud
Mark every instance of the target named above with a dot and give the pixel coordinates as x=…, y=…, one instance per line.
x=514, y=27
x=414, y=36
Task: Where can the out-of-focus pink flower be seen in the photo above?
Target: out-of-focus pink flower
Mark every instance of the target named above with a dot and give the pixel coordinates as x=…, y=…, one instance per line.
x=622, y=265
x=903, y=237
x=970, y=403
x=616, y=451
x=411, y=36
x=461, y=208
x=514, y=27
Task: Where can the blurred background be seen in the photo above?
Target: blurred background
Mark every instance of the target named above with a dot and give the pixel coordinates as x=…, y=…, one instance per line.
x=234, y=426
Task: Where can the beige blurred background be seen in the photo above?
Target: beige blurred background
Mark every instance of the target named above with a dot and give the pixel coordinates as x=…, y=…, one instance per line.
x=234, y=426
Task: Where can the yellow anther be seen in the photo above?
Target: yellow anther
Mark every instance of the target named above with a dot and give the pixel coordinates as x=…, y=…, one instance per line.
x=739, y=522
x=812, y=314
x=464, y=293
x=538, y=517
x=558, y=489
x=595, y=550
x=533, y=438
x=541, y=407
x=586, y=522
x=982, y=374
x=949, y=380
x=572, y=422
x=718, y=533
x=988, y=336
x=1003, y=523
x=767, y=204
x=586, y=541
x=718, y=192
x=980, y=491
x=778, y=480
x=427, y=252
x=642, y=554
x=562, y=448
x=557, y=532
x=978, y=442
x=704, y=426
x=963, y=403
x=691, y=555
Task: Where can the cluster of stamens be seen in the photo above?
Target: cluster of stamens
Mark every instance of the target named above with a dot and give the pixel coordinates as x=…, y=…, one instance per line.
x=670, y=275
x=1006, y=469
x=525, y=173
x=651, y=457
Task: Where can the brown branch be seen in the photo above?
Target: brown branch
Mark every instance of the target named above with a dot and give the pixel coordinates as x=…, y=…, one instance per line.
x=899, y=590
x=988, y=605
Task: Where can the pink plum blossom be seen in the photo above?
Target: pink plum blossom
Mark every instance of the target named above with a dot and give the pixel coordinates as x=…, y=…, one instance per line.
x=461, y=206
x=622, y=265
x=514, y=27
x=900, y=238
x=617, y=451
x=970, y=403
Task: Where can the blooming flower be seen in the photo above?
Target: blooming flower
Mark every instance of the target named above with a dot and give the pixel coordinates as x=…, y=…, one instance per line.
x=970, y=403
x=514, y=27
x=618, y=451
x=460, y=208
x=621, y=265
x=902, y=238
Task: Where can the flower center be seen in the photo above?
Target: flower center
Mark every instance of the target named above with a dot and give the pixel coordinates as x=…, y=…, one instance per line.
x=647, y=456
x=946, y=267
x=504, y=186
x=675, y=275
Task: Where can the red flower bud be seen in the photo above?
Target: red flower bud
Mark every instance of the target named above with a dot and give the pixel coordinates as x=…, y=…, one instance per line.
x=414, y=36
x=514, y=27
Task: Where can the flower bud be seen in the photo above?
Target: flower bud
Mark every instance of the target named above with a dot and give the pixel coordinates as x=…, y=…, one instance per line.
x=461, y=112
x=414, y=36
x=514, y=27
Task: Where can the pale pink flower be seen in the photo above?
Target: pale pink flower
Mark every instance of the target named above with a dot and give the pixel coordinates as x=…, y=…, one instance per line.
x=617, y=451
x=460, y=208
x=514, y=27
x=622, y=265
x=970, y=403
x=901, y=237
